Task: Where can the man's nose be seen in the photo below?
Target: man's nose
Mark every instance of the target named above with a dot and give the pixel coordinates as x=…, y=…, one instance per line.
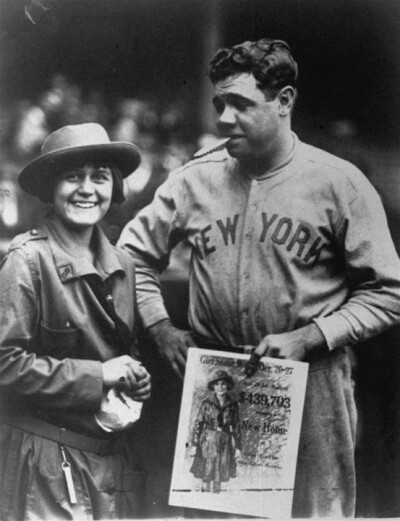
x=227, y=116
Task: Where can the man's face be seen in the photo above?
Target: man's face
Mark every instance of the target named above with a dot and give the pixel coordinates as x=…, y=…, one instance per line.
x=82, y=195
x=247, y=117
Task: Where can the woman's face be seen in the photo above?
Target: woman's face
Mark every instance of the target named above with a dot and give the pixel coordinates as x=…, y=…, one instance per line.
x=82, y=195
x=220, y=387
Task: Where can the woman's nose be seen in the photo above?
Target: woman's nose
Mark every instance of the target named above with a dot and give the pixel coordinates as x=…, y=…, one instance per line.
x=86, y=185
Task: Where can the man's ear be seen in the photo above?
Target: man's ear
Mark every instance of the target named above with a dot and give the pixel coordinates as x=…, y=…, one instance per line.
x=286, y=98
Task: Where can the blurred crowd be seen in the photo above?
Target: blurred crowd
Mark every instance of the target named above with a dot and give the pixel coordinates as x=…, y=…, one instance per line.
x=164, y=135
x=167, y=135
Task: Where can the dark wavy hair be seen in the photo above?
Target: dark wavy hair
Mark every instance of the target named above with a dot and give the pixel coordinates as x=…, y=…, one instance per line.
x=270, y=62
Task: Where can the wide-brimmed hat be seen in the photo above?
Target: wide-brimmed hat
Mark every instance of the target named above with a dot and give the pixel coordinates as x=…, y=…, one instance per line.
x=221, y=375
x=71, y=145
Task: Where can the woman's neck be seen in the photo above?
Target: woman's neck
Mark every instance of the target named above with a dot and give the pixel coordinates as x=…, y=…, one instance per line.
x=77, y=241
x=221, y=399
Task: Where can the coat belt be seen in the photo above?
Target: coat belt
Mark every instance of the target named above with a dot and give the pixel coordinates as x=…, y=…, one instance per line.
x=63, y=436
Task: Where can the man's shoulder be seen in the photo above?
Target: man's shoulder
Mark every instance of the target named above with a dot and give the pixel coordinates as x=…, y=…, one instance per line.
x=332, y=167
x=124, y=257
x=326, y=159
x=215, y=154
x=216, y=147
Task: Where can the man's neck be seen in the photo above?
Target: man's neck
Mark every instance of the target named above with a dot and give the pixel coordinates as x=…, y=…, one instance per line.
x=260, y=165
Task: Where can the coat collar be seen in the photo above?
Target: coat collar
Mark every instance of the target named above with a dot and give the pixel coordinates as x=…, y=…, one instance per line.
x=228, y=401
x=70, y=264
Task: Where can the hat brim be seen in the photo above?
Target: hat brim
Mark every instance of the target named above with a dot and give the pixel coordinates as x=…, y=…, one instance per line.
x=34, y=178
x=228, y=380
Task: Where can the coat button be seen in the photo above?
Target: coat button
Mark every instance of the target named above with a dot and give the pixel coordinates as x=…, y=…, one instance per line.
x=34, y=232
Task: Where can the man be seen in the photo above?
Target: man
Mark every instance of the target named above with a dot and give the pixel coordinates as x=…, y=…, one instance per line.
x=291, y=253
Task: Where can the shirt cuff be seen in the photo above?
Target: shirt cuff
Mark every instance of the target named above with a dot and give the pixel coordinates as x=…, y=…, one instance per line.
x=152, y=313
x=335, y=329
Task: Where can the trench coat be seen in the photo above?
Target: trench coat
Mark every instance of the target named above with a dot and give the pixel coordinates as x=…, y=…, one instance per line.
x=54, y=335
x=216, y=435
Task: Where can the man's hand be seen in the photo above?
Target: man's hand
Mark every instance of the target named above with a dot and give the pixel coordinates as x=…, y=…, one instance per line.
x=129, y=375
x=172, y=343
x=294, y=345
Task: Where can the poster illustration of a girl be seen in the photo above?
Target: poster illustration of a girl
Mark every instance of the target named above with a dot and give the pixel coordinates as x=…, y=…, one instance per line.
x=216, y=442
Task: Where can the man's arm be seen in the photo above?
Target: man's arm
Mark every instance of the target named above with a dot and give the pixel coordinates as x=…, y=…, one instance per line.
x=372, y=269
x=149, y=238
x=294, y=345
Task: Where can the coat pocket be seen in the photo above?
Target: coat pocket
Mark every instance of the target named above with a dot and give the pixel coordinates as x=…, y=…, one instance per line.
x=59, y=343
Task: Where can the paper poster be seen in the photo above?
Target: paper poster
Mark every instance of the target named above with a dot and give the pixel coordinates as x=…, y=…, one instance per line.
x=238, y=436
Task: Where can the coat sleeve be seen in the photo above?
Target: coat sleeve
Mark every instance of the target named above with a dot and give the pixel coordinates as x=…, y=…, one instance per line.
x=372, y=270
x=149, y=238
x=45, y=380
x=236, y=427
x=198, y=425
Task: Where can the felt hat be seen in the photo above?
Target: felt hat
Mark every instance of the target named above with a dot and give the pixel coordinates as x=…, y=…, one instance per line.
x=221, y=375
x=76, y=144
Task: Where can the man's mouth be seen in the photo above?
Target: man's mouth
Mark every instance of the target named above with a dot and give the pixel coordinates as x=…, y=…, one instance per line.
x=233, y=137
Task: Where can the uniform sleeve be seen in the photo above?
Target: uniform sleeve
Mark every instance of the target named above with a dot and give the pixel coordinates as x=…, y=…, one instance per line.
x=149, y=238
x=47, y=381
x=236, y=427
x=198, y=425
x=373, y=273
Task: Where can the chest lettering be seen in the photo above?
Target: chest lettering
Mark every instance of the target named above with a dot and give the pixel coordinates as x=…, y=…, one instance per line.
x=281, y=230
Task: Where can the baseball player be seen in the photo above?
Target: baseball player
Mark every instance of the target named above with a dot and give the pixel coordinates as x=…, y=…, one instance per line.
x=291, y=253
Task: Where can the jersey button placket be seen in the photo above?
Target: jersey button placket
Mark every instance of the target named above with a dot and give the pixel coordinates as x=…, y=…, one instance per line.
x=250, y=227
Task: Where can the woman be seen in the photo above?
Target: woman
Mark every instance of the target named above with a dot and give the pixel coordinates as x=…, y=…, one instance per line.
x=216, y=436
x=67, y=350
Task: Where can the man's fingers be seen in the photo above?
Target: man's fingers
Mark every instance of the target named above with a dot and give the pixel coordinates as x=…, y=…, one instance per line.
x=189, y=341
x=252, y=364
x=274, y=352
x=178, y=369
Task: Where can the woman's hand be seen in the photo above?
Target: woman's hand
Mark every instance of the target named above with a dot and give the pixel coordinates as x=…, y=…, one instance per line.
x=128, y=375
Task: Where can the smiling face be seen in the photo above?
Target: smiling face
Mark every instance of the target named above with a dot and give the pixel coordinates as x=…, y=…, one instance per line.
x=82, y=195
x=221, y=388
x=249, y=117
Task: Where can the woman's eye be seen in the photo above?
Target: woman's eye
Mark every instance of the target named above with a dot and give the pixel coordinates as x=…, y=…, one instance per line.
x=71, y=176
x=102, y=175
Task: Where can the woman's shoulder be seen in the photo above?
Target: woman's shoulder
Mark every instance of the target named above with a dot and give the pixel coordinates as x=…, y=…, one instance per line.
x=32, y=239
x=20, y=264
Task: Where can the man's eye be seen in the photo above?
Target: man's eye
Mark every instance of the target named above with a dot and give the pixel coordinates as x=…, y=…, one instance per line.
x=219, y=106
x=241, y=105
